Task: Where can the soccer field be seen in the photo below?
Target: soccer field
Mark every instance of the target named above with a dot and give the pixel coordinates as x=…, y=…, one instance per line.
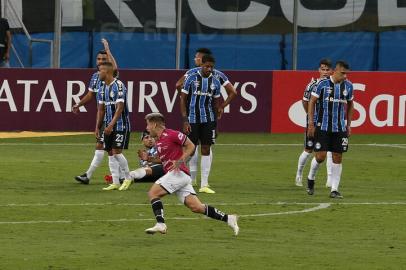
x=48, y=221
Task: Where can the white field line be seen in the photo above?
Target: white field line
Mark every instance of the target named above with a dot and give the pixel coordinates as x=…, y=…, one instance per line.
x=307, y=210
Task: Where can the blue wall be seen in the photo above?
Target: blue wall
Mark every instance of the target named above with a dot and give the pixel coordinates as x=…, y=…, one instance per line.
x=363, y=50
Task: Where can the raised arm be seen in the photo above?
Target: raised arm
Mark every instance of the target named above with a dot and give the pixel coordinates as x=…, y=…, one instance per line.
x=110, y=56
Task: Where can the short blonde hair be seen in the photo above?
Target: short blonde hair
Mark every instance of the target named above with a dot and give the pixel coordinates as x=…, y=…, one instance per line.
x=155, y=117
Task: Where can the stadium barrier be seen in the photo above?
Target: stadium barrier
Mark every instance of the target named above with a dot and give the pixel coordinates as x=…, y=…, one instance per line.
x=268, y=101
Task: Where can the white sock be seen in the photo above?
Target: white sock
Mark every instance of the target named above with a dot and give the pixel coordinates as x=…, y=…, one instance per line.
x=313, y=169
x=205, y=165
x=97, y=160
x=193, y=164
x=114, y=169
x=329, y=161
x=122, y=161
x=121, y=172
x=302, y=162
x=138, y=173
x=336, y=175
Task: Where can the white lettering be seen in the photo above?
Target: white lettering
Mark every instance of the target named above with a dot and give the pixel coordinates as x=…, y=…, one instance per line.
x=165, y=13
x=248, y=97
x=389, y=110
x=76, y=97
x=148, y=98
x=252, y=16
x=72, y=13
x=27, y=92
x=5, y=87
x=362, y=115
x=124, y=14
x=168, y=101
x=324, y=18
x=53, y=99
x=402, y=111
x=389, y=14
x=130, y=87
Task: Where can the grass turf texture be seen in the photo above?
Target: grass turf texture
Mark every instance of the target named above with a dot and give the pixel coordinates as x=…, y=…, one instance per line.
x=108, y=233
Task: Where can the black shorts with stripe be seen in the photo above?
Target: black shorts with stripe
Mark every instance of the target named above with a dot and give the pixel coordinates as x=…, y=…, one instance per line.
x=116, y=140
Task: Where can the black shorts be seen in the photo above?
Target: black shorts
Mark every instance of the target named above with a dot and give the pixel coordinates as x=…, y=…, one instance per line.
x=205, y=133
x=336, y=142
x=157, y=172
x=116, y=140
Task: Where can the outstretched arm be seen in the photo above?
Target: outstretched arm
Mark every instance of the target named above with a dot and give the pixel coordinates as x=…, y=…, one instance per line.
x=110, y=56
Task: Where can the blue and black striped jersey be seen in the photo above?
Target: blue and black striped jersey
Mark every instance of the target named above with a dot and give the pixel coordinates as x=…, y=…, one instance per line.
x=216, y=73
x=332, y=97
x=201, y=91
x=110, y=95
x=152, y=152
x=307, y=94
x=95, y=84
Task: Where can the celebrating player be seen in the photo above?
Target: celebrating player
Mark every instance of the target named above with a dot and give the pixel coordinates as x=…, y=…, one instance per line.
x=200, y=109
x=94, y=85
x=174, y=148
x=332, y=125
x=113, y=114
x=324, y=71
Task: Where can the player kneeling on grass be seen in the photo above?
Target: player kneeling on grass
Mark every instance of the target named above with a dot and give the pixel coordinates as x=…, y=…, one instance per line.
x=151, y=166
x=174, y=148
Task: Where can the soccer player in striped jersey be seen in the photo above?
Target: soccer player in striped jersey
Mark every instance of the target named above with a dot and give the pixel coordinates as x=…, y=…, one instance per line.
x=94, y=86
x=324, y=71
x=200, y=109
x=332, y=124
x=151, y=168
x=174, y=148
x=113, y=114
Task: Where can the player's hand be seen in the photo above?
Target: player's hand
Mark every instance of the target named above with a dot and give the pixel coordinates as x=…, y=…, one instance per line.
x=108, y=130
x=187, y=128
x=97, y=133
x=75, y=109
x=220, y=112
x=175, y=165
x=348, y=131
x=142, y=154
x=105, y=44
x=310, y=131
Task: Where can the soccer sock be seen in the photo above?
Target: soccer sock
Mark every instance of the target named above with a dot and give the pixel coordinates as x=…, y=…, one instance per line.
x=193, y=164
x=121, y=173
x=313, y=169
x=97, y=159
x=302, y=162
x=205, y=165
x=122, y=161
x=138, y=173
x=214, y=213
x=114, y=167
x=329, y=162
x=158, y=209
x=336, y=175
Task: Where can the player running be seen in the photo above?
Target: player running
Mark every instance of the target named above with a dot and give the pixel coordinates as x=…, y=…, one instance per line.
x=324, y=71
x=174, y=148
x=332, y=126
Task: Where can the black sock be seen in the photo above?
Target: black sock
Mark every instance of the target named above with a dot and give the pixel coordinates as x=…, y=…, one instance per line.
x=158, y=209
x=310, y=184
x=214, y=213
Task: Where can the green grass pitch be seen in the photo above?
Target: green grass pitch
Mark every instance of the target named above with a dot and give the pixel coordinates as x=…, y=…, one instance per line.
x=48, y=221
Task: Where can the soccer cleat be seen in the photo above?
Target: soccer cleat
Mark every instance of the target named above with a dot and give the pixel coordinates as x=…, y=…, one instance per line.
x=125, y=185
x=336, y=195
x=206, y=190
x=310, y=186
x=159, y=227
x=82, y=179
x=298, y=181
x=112, y=187
x=310, y=191
x=121, y=180
x=232, y=222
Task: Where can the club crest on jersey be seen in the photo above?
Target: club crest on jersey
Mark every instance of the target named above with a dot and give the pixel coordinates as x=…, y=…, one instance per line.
x=309, y=143
x=212, y=86
x=345, y=93
x=111, y=94
x=318, y=145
